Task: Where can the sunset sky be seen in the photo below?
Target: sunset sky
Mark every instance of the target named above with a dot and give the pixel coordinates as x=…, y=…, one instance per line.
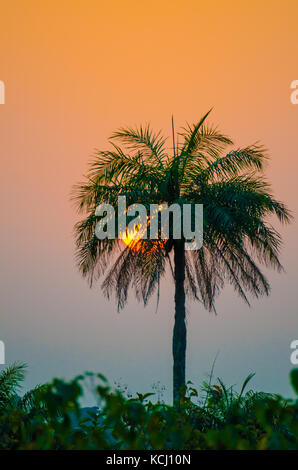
x=74, y=71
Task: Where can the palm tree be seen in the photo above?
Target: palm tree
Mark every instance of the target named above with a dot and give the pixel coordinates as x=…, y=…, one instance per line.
x=199, y=170
x=11, y=380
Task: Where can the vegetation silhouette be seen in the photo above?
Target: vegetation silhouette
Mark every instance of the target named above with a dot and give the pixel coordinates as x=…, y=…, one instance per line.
x=51, y=417
x=199, y=169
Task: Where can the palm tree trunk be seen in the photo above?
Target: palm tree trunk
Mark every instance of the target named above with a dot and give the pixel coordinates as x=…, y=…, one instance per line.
x=179, y=333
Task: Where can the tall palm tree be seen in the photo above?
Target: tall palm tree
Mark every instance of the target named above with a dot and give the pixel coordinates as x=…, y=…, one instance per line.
x=199, y=170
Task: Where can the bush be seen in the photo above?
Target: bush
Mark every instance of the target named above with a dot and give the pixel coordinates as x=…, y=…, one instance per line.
x=51, y=417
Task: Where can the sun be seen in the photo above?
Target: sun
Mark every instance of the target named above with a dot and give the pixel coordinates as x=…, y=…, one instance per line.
x=134, y=237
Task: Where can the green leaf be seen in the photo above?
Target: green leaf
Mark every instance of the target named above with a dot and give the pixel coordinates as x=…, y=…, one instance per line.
x=294, y=380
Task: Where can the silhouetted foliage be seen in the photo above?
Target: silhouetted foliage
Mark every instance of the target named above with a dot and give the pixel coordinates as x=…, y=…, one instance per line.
x=216, y=417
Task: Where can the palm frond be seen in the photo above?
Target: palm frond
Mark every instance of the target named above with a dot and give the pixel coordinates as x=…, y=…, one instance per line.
x=236, y=161
x=143, y=139
x=11, y=379
x=33, y=399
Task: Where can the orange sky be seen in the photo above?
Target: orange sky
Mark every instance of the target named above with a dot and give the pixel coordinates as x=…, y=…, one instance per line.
x=74, y=71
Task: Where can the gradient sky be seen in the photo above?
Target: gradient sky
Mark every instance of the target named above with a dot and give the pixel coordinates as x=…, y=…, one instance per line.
x=75, y=71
